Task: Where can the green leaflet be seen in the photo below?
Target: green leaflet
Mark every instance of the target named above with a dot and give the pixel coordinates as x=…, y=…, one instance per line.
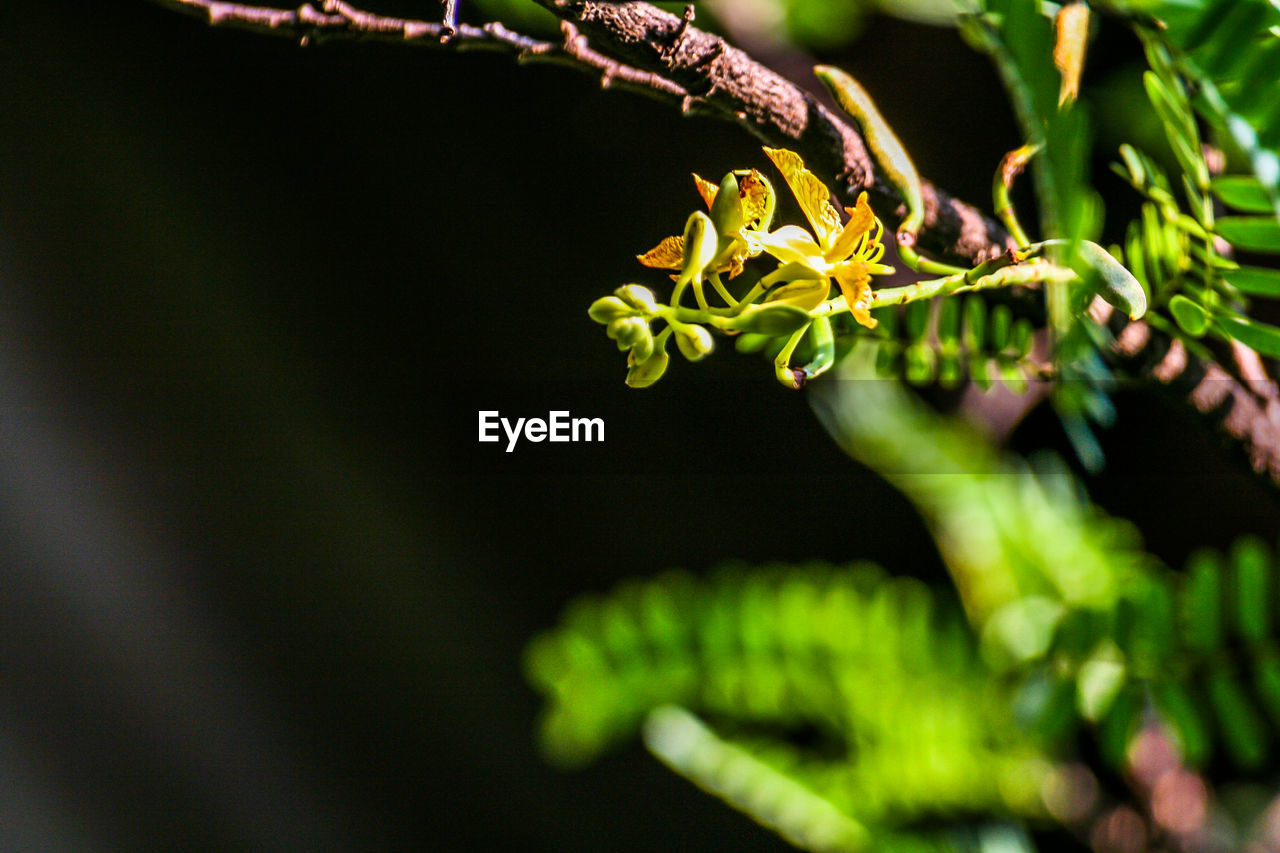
x=1228, y=51
x=1243, y=192
x=1191, y=318
x=1251, y=233
x=1258, y=336
x=1255, y=281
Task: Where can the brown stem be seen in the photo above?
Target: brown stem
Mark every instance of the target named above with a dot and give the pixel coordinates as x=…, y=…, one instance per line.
x=778, y=112
x=338, y=20
x=1233, y=391
x=644, y=48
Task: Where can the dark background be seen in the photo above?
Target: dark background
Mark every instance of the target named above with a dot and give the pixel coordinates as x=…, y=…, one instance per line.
x=260, y=587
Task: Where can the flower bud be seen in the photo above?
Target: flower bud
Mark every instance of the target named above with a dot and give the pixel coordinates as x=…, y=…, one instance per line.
x=1116, y=284
x=642, y=374
x=627, y=330
x=694, y=341
x=1111, y=281
x=608, y=308
x=637, y=297
x=726, y=210
x=642, y=347
x=699, y=244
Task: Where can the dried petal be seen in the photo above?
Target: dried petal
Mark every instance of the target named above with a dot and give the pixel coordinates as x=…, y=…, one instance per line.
x=754, y=192
x=667, y=255
x=706, y=189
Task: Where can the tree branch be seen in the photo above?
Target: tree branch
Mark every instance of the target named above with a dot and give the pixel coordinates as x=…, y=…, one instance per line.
x=646, y=49
x=778, y=112
x=1233, y=391
x=335, y=20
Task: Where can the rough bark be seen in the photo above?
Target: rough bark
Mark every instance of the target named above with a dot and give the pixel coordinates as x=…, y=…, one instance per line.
x=639, y=46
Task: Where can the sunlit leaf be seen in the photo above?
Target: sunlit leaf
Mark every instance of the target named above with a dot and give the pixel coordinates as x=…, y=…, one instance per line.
x=1251, y=233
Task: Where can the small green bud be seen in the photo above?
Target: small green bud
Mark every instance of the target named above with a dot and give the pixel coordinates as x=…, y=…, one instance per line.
x=642, y=347
x=773, y=319
x=642, y=374
x=637, y=297
x=627, y=331
x=726, y=210
x=694, y=341
x=699, y=244
x=1117, y=286
x=1113, y=282
x=607, y=309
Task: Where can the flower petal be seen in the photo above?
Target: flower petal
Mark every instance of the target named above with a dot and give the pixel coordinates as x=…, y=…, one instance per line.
x=861, y=220
x=793, y=271
x=855, y=284
x=755, y=193
x=805, y=294
x=706, y=189
x=811, y=193
x=667, y=255
x=791, y=243
x=733, y=252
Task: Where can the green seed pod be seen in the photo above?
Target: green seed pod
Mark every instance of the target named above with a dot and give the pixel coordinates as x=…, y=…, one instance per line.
x=699, y=244
x=773, y=319
x=1113, y=282
x=726, y=210
x=644, y=373
x=637, y=297
x=694, y=341
x=606, y=309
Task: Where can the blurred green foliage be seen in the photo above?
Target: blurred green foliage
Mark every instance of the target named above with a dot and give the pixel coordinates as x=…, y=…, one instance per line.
x=853, y=710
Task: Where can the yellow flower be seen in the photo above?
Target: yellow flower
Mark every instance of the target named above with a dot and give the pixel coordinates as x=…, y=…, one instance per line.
x=745, y=208
x=848, y=252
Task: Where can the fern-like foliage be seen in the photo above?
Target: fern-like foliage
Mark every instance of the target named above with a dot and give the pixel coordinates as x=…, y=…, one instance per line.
x=1174, y=247
x=1229, y=50
x=1203, y=649
x=839, y=705
x=850, y=710
x=954, y=340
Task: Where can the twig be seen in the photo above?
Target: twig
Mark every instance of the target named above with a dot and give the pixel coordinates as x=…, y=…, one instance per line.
x=664, y=55
x=652, y=51
x=338, y=20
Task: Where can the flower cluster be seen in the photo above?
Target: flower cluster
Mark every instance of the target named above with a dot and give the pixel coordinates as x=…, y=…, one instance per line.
x=793, y=302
